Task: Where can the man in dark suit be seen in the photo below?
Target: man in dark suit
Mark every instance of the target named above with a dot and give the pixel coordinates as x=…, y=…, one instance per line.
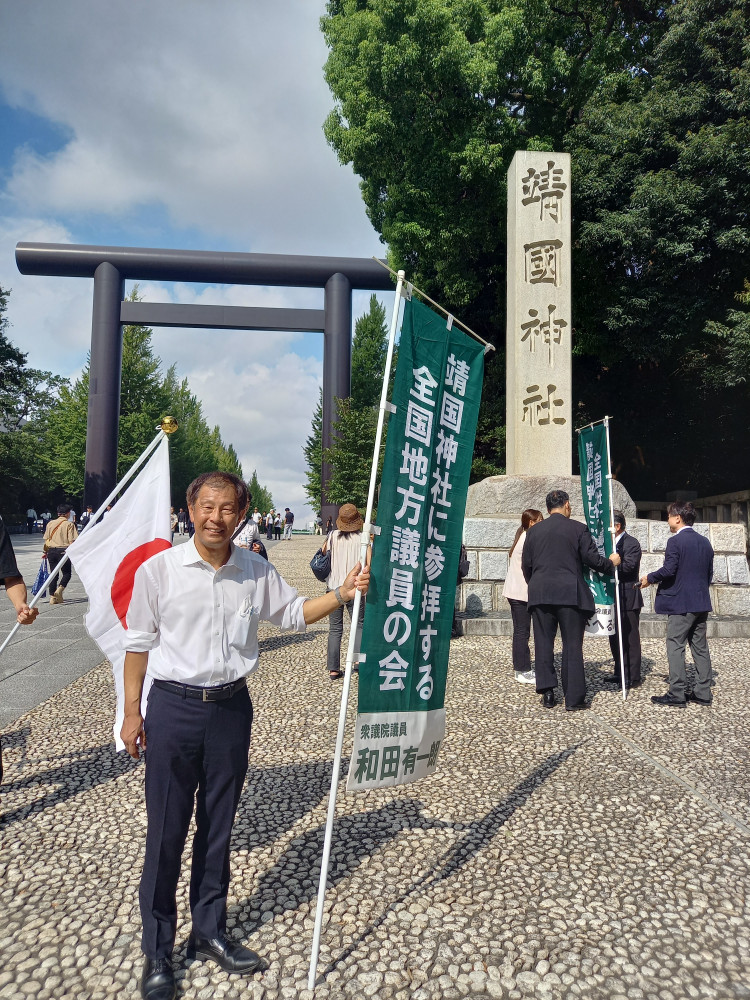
x=684, y=597
x=631, y=602
x=554, y=554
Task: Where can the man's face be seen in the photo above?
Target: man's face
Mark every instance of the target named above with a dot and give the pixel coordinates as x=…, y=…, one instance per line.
x=675, y=522
x=618, y=528
x=215, y=515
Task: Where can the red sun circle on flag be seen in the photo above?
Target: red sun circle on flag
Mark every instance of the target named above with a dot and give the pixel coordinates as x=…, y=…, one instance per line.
x=122, y=585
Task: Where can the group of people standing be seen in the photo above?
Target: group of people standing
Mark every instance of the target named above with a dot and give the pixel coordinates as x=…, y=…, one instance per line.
x=545, y=584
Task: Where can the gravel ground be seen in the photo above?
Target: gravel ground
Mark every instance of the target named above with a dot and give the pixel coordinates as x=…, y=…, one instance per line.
x=601, y=854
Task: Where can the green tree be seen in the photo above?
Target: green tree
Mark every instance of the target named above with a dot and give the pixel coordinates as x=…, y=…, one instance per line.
x=350, y=456
x=313, y=452
x=26, y=395
x=664, y=249
x=145, y=397
x=262, y=498
x=433, y=97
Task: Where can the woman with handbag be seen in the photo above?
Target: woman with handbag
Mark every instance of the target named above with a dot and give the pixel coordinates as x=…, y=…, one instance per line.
x=59, y=534
x=344, y=546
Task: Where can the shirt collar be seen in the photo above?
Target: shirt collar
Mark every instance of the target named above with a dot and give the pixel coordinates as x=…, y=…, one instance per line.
x=191, y=556
x=683, y=528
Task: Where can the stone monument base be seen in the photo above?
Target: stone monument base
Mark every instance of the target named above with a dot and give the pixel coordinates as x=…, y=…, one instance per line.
x=509, y=496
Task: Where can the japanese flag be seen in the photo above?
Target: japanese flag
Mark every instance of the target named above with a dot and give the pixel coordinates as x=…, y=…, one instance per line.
x=107, y=555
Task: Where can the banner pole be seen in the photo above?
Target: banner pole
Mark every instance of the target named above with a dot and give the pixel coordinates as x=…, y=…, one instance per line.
x=92, y=520
x=366, y=530
x=618, y=608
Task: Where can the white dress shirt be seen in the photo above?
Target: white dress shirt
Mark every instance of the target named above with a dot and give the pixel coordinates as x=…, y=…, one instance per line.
x=200, y=625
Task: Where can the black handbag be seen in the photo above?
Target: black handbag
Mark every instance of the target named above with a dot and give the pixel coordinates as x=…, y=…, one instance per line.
x=320, y=564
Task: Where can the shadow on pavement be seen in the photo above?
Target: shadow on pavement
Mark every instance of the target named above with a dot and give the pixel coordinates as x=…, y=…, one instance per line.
x=294, y=878
x=476, y=836
x=79, y=773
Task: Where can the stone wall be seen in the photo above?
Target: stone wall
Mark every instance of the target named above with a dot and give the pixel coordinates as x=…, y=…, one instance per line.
x=488, y=540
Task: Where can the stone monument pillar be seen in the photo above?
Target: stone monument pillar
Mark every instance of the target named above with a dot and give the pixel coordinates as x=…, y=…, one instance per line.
x=538, y=364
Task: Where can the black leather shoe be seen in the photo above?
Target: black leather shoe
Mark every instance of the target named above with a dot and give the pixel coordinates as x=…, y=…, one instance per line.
x=635, y=684
x=613, y=679
x=548, y=699
x=580, y=707
x=230, y=956
x=668, y=699
x=691, y=696
x=157, y=980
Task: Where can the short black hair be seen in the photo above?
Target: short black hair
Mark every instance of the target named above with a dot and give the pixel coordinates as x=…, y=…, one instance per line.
x=63, y=509
x=683, y=509
x=219, y=480
x=557, y=498
x=619, y=518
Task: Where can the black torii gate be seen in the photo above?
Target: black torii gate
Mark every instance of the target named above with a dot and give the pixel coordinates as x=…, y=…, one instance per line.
x=111, y=266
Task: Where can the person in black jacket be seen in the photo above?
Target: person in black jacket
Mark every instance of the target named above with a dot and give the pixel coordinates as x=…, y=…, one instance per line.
x=553, y=559
x=631, y=602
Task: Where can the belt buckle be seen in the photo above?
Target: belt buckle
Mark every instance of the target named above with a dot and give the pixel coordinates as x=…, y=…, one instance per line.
x=205, y=695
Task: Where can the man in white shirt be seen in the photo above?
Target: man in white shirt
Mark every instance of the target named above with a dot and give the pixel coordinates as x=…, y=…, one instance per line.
x=193, y=623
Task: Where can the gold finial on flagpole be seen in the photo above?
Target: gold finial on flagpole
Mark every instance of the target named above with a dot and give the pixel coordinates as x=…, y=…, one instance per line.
x=168, y=425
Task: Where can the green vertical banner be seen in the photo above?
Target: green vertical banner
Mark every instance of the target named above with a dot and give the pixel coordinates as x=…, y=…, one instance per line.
x=593, y=458
x=406, y=637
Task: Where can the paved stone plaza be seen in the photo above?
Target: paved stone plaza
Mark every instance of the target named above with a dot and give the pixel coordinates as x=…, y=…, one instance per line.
x=601, y=854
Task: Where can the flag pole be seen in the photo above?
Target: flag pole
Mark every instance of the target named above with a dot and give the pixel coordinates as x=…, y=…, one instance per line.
x=167, y=426
x=618, y=609
x=367, y=529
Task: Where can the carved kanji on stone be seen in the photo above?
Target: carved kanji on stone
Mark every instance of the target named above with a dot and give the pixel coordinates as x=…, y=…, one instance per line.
x=545, y=188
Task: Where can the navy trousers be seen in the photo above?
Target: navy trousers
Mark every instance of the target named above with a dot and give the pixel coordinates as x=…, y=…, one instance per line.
x=196, y=757
x=572, y=622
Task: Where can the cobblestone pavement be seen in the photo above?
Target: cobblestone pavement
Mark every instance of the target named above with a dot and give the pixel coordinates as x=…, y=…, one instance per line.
x=601, y=854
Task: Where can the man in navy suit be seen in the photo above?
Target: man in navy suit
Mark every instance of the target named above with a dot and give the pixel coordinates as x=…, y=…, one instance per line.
x=631, y=602
x=683, y=595
x=554, y=554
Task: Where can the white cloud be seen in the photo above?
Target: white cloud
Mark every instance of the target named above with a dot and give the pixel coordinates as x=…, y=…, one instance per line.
x=213, y=111
x=182, y=117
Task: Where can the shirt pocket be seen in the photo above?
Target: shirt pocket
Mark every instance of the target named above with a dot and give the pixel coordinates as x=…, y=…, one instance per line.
x=244, y=629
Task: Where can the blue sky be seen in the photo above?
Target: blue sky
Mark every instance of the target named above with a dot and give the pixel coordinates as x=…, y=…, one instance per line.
x=179, y=124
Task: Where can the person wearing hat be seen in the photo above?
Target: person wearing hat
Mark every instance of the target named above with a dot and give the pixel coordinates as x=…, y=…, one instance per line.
x=344, y=545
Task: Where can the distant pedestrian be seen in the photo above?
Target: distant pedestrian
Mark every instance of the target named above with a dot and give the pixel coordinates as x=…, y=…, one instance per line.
x=683, y=596
x=318, y=525
x=72, y=516
x=277, y=527
x=30, y=519
x=182, y=520
x=516, y=592
x=269, y=525
x=288, y=524
x=46, y=518
x=344, y=546
x=173, y=522
x=329, y=525
x=86, y=517
x=60, y=533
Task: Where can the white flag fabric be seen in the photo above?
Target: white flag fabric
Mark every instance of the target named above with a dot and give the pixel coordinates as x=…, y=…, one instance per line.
x=107, y=555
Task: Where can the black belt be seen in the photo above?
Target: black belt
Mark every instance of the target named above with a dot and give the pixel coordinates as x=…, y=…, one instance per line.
x=219, y=693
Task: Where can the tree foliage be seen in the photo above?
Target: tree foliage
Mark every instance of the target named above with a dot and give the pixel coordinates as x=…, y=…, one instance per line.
x=313, y=452
x=261, y=497
x=146, y=395
x=433, y=97
x=357, y=417
x=26, y=394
